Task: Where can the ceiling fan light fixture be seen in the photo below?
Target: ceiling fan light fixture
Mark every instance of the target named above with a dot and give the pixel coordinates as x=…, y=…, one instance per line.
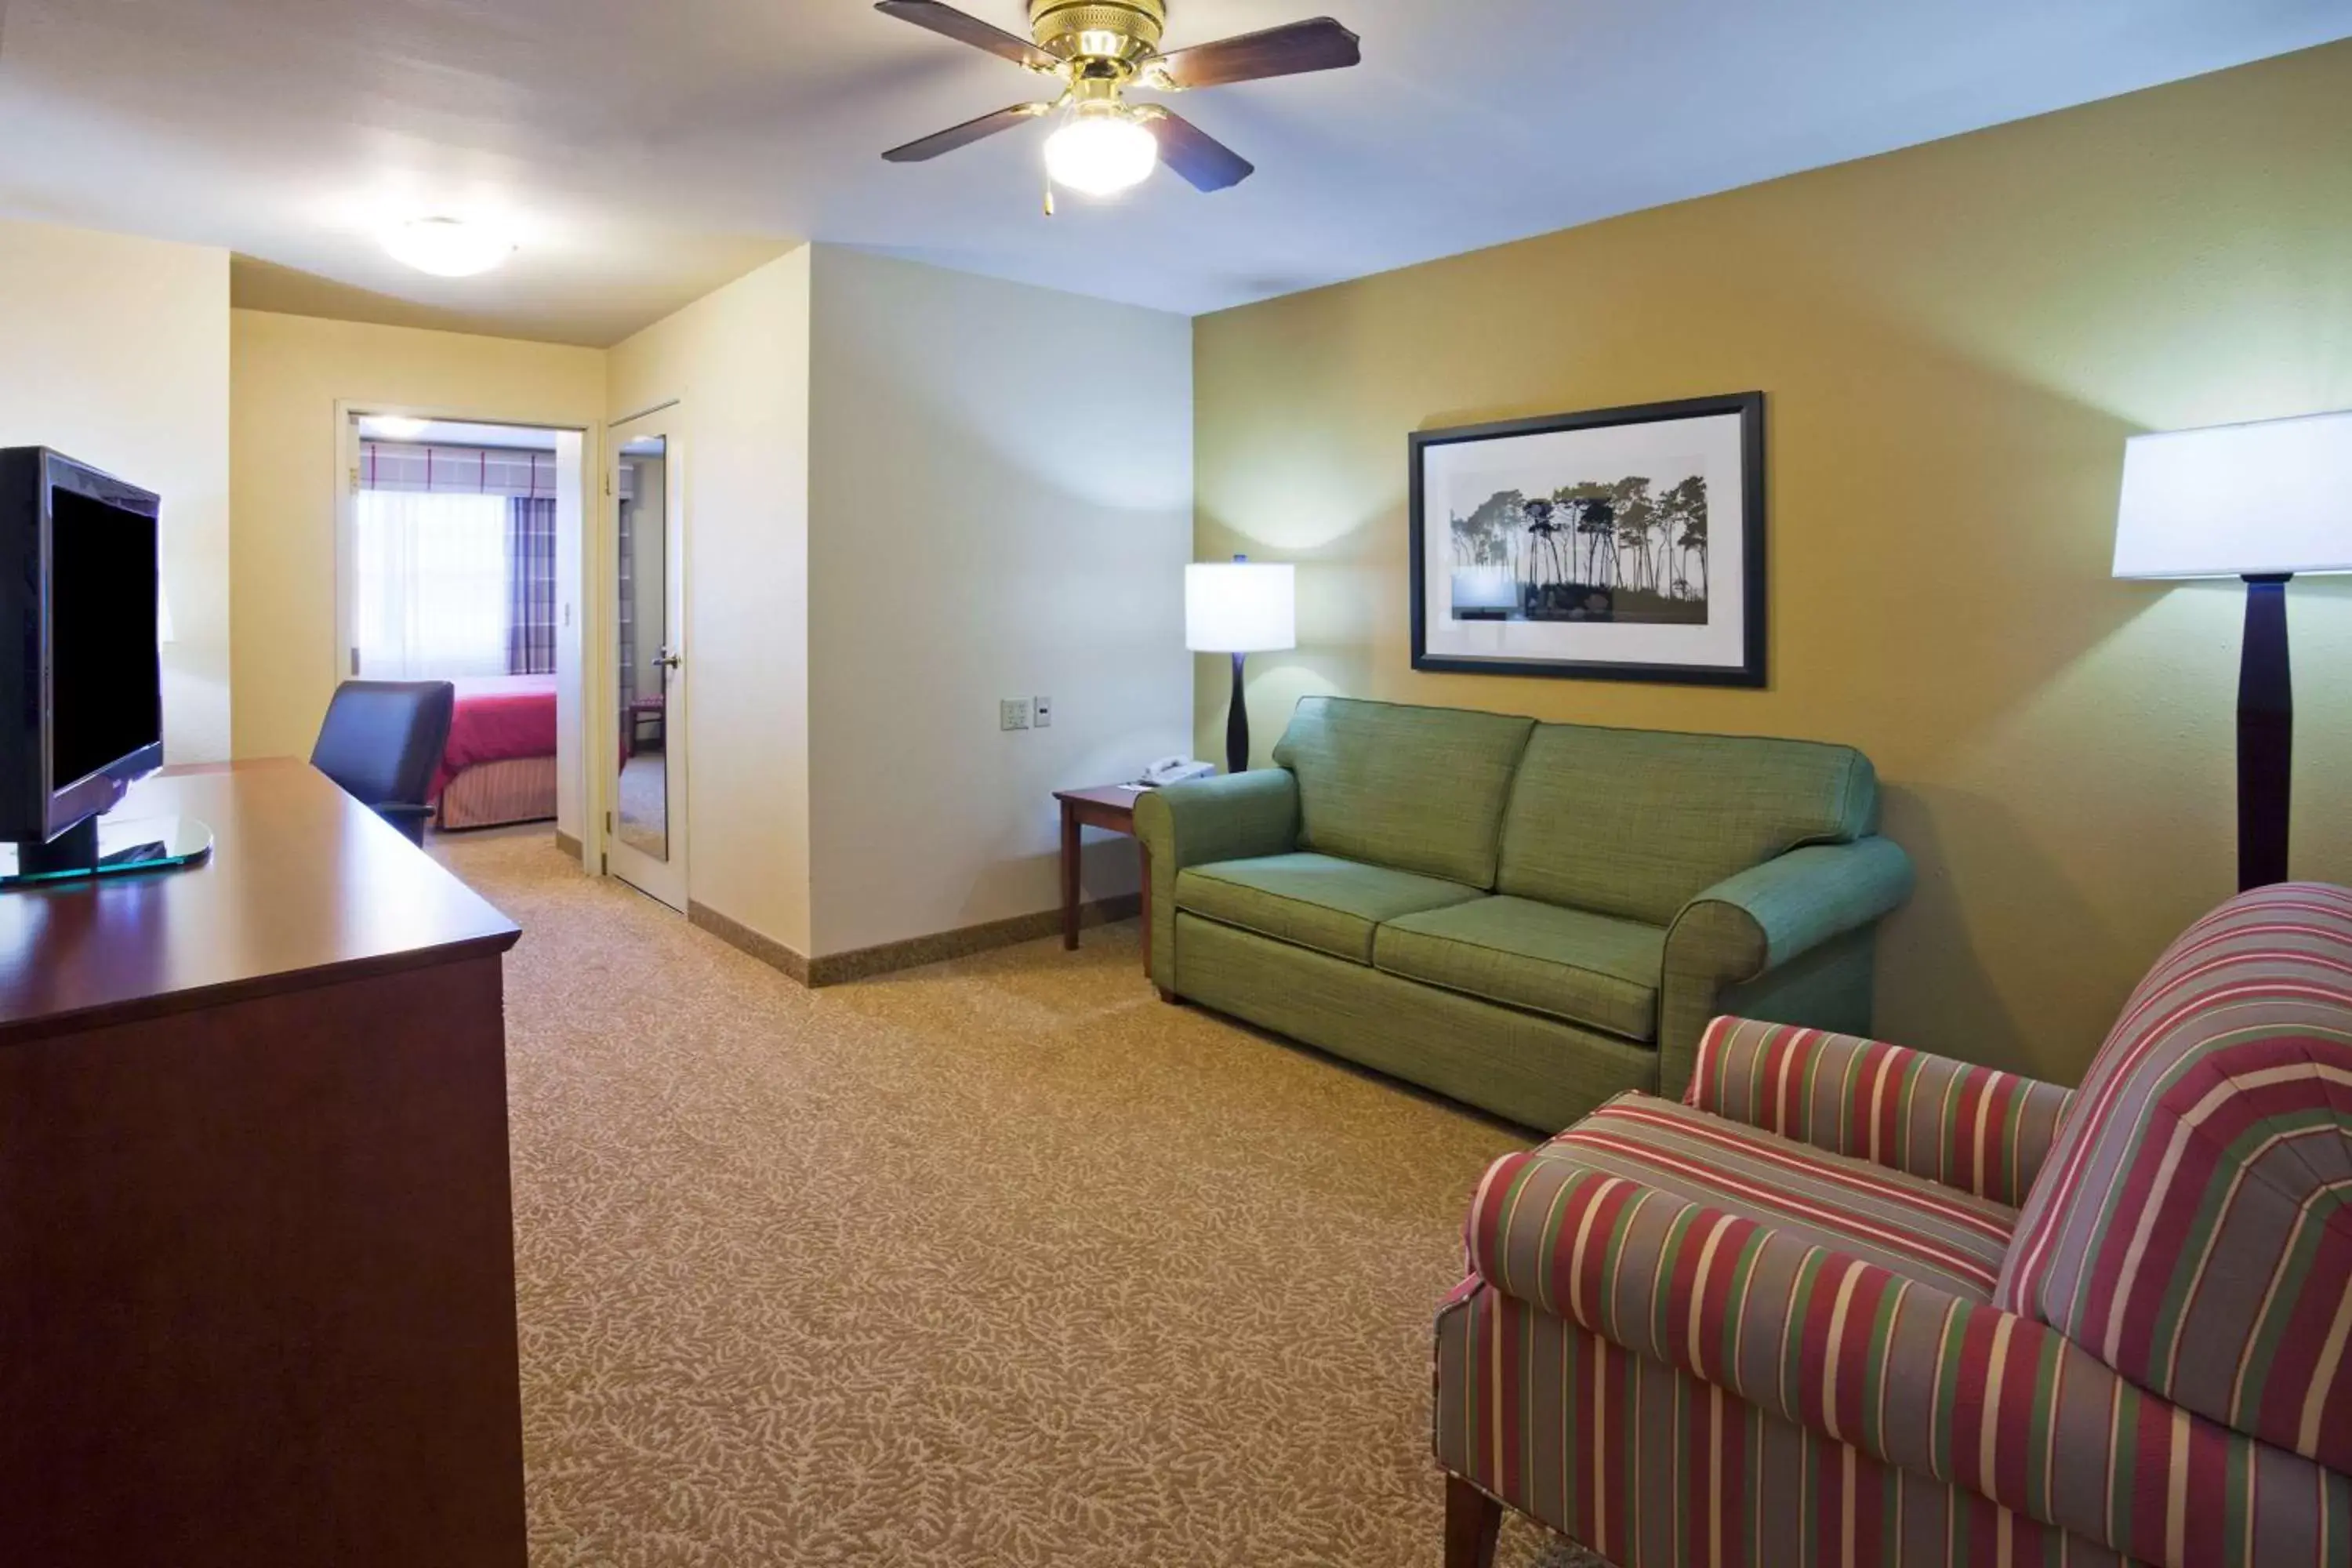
x=1101, y=151
x=1099, y=48
x=448, y=246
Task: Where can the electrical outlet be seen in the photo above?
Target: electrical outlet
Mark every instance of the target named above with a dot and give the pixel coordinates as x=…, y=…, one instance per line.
x=1044, y=708
x=1012, y=713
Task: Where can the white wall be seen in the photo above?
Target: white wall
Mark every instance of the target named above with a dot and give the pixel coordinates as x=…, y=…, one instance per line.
x=1001, y=505
x=737, y=361
x=573, y=451
x=116, y=350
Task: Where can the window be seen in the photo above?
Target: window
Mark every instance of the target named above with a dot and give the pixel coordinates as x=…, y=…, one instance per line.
x=434, y=585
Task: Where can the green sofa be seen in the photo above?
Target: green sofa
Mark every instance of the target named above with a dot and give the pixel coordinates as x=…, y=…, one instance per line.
x=1529, y=918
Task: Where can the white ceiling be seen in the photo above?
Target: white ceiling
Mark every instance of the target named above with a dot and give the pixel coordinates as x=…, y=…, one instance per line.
x=644, y=150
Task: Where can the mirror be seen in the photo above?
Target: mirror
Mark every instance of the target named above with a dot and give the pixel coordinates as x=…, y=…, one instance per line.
x=643, y=656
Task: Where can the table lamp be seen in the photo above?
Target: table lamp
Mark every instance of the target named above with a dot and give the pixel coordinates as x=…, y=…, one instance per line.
x=2265, y=502
x=1240, y=608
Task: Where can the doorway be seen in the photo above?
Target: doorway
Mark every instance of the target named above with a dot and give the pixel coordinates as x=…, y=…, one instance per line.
x=646, y=840
x=452, y=539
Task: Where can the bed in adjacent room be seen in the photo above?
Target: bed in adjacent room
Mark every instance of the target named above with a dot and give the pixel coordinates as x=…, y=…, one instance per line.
x=499, y=766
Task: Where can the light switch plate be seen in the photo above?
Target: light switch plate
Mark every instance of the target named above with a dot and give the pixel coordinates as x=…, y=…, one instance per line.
x=1012, y=713
x=1044, y=707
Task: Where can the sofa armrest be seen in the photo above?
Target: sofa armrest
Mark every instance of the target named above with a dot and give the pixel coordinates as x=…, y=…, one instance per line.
x=1922, y=1379
x=1749, y=925
x=1981, y=1130
x=1235, y=817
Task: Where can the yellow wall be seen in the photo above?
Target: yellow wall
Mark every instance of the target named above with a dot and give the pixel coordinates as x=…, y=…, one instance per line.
x=286, y=374
x=1956, y=341
x=115, y=350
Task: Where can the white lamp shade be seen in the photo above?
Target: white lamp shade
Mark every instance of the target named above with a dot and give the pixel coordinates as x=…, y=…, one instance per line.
x=2238, y=501
x=1240, y=607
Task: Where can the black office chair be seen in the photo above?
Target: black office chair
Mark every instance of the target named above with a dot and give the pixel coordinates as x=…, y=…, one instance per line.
x=382, y=741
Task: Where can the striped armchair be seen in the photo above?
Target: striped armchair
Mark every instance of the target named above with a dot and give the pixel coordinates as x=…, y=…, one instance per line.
x=1849, y=1303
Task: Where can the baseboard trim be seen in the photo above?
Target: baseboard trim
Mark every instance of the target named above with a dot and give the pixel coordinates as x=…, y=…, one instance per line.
x=743, y=939
x=568, y=845
x=840, y=968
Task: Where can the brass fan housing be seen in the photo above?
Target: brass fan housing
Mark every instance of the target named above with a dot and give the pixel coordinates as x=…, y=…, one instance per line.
x=1122, y=33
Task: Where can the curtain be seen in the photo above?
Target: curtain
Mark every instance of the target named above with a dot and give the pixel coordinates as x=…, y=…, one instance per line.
x=433, y=584
x=530, y=611
x=456, y=471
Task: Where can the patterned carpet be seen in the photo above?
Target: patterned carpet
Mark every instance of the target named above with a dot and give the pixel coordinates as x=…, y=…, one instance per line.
x=997, y=1262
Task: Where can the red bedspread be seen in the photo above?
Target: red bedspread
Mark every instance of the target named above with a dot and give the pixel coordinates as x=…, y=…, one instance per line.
x=499, y=717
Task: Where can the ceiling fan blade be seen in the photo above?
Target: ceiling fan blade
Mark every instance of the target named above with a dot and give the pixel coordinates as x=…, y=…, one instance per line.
x=948, y=21
x=964, y=135
x=1321, y=45
x=1206, y=163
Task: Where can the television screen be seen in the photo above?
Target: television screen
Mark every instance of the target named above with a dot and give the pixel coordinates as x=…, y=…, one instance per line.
x=106, y=700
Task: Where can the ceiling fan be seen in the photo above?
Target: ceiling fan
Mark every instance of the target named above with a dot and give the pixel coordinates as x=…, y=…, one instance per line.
x=1098, y=50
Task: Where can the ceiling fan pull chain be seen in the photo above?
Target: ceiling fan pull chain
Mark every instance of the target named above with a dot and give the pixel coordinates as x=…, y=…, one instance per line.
x=1070, y=108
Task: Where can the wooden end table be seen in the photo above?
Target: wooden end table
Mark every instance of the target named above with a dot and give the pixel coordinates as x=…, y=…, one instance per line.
x=1112, y=809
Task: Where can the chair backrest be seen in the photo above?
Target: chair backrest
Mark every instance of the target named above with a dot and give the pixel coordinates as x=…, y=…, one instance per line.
x=383, y=739
x=1637, y=823
x=2191, y=1228
x=1414, y=789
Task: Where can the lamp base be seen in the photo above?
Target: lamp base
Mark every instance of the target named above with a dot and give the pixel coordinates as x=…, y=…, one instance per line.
x=1237, y=742
x=2266, y=736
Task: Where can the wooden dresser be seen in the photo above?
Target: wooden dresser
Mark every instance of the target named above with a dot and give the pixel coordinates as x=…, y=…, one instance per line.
x=257, y=1265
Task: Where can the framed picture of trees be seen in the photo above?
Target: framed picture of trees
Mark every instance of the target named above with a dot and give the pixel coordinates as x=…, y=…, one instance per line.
x=1621, y=544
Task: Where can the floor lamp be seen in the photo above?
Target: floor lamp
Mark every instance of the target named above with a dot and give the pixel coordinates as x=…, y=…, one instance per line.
x=2266, y=503
x=1240, y=608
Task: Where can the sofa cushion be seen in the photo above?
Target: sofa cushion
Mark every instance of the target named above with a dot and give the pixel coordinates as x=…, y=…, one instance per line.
x=1904, y=1224
x=1637, y=823
x=1419, y=789
x=1315, y=901
x=1587, y=969
x=2191, y=1227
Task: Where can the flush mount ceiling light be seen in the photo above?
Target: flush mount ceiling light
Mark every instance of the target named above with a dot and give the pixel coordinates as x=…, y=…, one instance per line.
x=448, y=246
x=1097, y=49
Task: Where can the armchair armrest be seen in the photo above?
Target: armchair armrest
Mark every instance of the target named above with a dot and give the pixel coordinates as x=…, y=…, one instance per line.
x=1922, y=1379
x=1981, y=1130
x=1235, y=817
x=1764, y=917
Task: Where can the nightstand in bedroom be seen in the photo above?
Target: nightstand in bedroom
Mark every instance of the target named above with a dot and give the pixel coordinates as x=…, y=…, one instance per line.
x=1112, y=809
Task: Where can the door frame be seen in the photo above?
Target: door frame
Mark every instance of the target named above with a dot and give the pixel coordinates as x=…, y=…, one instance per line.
x=669, y=415
x=583, y=608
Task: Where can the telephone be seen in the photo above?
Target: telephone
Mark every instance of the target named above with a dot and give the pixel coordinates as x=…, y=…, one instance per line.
x=1175, y=771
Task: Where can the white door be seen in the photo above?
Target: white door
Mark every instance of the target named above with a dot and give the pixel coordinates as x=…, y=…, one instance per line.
x=647, y=827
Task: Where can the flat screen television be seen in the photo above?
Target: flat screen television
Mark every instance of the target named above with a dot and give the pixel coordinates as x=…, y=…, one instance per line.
x=82, y=684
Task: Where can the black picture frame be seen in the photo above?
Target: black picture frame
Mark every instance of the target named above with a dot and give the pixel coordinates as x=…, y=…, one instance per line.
x=1751, y=672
